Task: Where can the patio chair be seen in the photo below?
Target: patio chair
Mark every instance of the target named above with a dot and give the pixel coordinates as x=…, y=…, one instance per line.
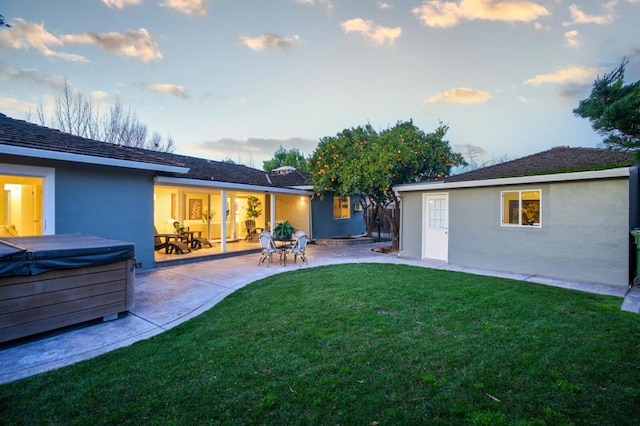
x=267, y=248
x=299, y=247
x=164, y=241
x=253, y=233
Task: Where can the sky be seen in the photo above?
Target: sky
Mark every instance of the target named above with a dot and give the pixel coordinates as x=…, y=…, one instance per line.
x=236, y=79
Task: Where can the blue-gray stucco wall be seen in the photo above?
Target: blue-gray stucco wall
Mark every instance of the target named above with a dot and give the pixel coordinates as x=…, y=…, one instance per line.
x=325, y=226
x=108, y=202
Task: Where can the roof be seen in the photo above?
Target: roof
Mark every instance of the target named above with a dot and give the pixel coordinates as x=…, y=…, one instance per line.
x=22, y=138
x=553, y=161
x=220, y=171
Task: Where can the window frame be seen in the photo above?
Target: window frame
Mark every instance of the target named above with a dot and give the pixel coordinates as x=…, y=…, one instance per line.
x=48, y=176
x=504, y=222
x=342, y=201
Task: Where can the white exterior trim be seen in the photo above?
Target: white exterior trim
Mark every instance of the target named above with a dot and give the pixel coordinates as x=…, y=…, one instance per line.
x=88, y=159
x=227, y=185
x=48, y=176
x=557, y=177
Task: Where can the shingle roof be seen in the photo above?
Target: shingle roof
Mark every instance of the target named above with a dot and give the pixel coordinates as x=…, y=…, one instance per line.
x=554, y=160
x=294, y=178
x=22, y=134
x=219, y=171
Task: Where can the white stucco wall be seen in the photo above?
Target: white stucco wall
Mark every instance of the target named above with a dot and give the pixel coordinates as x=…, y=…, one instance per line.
x=584, y=234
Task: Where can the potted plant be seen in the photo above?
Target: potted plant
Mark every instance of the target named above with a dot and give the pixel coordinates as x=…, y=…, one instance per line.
x=283, y=230
x=253, y=207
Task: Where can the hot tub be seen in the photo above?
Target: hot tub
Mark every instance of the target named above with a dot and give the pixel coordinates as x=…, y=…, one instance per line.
x=53, y=281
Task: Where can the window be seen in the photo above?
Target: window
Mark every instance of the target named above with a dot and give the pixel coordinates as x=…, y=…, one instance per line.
x=27, y=199
x=341, y=207
x=521, y=208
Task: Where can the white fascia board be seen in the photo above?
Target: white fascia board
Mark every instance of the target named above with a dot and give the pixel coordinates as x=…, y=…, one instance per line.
x=88, y=159
x=165, y=180
x=523, y=180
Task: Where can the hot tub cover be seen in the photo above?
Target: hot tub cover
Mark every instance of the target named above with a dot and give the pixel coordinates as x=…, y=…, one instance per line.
x=35, y=255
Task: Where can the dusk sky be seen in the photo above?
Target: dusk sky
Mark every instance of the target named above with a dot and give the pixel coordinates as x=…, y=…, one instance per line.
x=235, y=79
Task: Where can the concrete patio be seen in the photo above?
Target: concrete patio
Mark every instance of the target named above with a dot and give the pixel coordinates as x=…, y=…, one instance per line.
x=166, y=297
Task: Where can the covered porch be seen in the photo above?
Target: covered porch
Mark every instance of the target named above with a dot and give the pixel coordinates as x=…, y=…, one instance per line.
x=217, y=212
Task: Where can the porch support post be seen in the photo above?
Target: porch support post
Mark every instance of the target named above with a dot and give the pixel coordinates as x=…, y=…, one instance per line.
x=223, y=224
x=273, y=212
x=232, y=215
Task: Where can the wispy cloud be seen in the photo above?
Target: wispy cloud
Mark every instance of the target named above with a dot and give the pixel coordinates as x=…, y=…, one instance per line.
x=573, y=74
x=27, y=35
x=383, y=5
x=445, y=14
x=259, y=149
x=375, y=33
x=263, y=41
x=170, y=89
x=325, y=4
x=29, y=75
x=120, y=4
x=459, y=95
x=137, y=44
x=579, y=17
x=14, y=104
x=188, y=7
x=571, y=38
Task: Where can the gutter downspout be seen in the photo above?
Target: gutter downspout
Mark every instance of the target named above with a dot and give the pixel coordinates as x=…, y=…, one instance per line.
x=401, y=227
x=634, y=219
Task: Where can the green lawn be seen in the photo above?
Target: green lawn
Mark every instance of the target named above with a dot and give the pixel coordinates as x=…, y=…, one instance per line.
x=357, y=344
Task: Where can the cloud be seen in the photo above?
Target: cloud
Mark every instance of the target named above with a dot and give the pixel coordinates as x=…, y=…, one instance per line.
x=377, y=34
x=325, y=4
x=579, y=17
x=565, y=75
x=26, y=35
x=15, y=105
x=170, y=89
x=539, y=27
x=445, y=14
x=571, y=37
x=188, y=7
x=459, y=95
x=30, y=75
x=263, y=41
x=260, y=149
x=137, y=44
x=382, y=5
x=120, y=4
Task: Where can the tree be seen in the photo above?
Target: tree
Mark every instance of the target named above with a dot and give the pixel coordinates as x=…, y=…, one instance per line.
x=613, y=109
x=78, y=115
x=361, y=160
x=283, y=157
x=3, y=23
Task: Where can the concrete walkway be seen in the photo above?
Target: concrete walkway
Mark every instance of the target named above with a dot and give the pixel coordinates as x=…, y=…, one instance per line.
x=166, y=297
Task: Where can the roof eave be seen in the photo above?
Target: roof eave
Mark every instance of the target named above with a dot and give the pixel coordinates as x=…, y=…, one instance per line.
x=619, y=172
x=88, y=159
x=228, y=185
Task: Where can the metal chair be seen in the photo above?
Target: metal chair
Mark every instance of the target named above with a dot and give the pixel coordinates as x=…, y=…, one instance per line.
x=299, y=246
x=267, y=248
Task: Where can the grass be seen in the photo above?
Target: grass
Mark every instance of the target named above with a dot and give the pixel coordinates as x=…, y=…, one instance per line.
x=358, y=344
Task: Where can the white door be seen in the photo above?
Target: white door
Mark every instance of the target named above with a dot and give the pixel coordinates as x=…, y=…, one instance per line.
x=435, y=242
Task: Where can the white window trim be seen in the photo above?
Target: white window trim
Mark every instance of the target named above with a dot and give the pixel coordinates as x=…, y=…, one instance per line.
x=48, y=176
x=505, y=223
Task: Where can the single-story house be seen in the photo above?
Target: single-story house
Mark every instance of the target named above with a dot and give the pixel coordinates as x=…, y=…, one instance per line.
x=563, y=213
x=56, y=183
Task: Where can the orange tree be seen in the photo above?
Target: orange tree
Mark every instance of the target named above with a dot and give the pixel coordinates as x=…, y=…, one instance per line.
x=361, y=160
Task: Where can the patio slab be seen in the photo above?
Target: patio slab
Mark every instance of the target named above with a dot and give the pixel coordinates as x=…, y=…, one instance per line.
x=166, y=297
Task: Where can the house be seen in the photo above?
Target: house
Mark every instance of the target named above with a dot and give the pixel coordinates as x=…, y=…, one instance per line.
x=563, y=213
x=333, y=216
x=56, y=183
